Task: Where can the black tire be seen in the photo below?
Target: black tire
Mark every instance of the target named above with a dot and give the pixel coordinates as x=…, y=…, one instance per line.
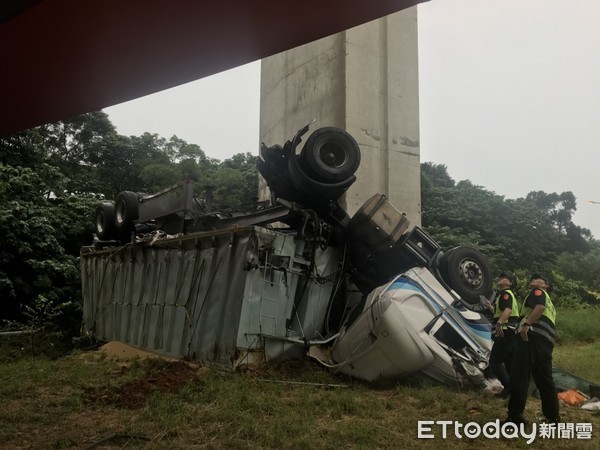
x=331, y=154
x=127, y=207
x=443, y=264
x=467, y=271
x=104, y=221
x=311, y=190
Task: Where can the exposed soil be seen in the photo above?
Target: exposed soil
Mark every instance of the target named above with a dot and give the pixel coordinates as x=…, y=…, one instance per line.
x=163, y=374
x=287, y=369
x=166, y=374
x=119, y=350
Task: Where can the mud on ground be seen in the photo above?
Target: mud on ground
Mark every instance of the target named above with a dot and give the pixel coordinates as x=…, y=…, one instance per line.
x=159, y=374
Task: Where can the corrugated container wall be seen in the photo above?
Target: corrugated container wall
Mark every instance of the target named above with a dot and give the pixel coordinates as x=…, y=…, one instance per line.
x=212, y=297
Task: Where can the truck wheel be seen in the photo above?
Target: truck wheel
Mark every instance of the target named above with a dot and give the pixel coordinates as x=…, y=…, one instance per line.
x=467, y=271
x=104, y=221
x=309, y=190
x=331, y=154
x=127, y=206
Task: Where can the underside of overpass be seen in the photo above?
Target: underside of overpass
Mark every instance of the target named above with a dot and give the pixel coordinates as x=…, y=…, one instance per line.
x=61, y=58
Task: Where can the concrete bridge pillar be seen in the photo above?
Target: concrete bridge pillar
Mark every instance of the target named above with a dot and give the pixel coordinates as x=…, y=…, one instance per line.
x=364, y=80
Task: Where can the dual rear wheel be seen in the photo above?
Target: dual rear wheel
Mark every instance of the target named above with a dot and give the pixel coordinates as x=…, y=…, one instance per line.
x=116, y=220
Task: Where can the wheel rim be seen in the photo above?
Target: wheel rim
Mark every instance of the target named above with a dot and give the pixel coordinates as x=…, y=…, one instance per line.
x=332, y=155
x=470, y=272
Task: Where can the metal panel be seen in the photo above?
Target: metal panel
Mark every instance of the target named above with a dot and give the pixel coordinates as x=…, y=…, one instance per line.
x=180, y=297
x=209, y=296
x=174, y=199
x=287, y=294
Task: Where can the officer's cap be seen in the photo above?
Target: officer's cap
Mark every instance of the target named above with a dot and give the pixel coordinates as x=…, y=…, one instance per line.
x=538, y=276
x=510, y=277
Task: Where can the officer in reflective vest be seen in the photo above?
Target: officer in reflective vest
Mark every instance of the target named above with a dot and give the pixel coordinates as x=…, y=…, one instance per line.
x=506, y=320
x=533, y=353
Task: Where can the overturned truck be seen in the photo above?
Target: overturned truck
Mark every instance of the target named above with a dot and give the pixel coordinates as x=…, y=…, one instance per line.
x=367, y=295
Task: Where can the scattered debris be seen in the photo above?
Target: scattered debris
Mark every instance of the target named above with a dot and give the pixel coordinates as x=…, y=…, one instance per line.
x=572, y=397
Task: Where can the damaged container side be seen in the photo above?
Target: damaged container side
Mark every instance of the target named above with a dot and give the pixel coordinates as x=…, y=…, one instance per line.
x=212, y=297
x=287, y=296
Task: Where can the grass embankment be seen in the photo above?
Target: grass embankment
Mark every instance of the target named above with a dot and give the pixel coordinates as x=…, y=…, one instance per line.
x=88, y=400
x=578, y=325
x=578, y=349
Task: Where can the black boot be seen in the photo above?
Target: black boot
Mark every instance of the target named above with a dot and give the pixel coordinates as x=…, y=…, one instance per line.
x=517, y=420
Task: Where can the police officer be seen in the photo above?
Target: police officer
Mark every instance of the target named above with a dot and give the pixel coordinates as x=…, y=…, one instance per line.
x=506, y=320
x=533, y=353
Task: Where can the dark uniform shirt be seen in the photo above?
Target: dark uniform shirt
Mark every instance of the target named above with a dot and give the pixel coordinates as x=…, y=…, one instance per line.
x=505, y=301
x=544, y=326
x=535, y=297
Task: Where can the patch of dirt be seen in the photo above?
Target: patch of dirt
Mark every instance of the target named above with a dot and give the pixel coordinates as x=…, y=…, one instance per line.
x=169, y=376
x=287, y=369
x=120, y=350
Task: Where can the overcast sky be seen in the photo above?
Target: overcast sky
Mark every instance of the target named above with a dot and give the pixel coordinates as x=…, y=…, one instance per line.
x=509, y=99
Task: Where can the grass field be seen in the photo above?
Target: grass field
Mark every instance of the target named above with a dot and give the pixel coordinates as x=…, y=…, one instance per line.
x=88, y=400
x=578, y=325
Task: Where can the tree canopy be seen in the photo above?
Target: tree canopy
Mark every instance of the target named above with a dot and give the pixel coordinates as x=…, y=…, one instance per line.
x=534, y=233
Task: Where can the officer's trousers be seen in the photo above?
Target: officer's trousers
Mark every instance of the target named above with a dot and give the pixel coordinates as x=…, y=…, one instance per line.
x=501, y=357
x=532, y=358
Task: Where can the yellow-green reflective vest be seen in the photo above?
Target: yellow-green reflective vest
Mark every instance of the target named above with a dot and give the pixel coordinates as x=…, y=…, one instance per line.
x=514, y=313
x=545, y=325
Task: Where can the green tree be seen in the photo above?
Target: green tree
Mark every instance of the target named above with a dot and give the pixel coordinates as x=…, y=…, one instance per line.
x=119, y=165
x=73, y=145
x=513, y=233
x=23, y=149
x=582, y=266
x=156, y=177
x=33, y=260
x=560, y=209
x=245, y=164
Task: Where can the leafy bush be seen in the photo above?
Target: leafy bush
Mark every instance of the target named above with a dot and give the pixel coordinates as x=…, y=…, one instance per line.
x=48, y=330
x=36, y=230
x=571, y=293
x=566, y=292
